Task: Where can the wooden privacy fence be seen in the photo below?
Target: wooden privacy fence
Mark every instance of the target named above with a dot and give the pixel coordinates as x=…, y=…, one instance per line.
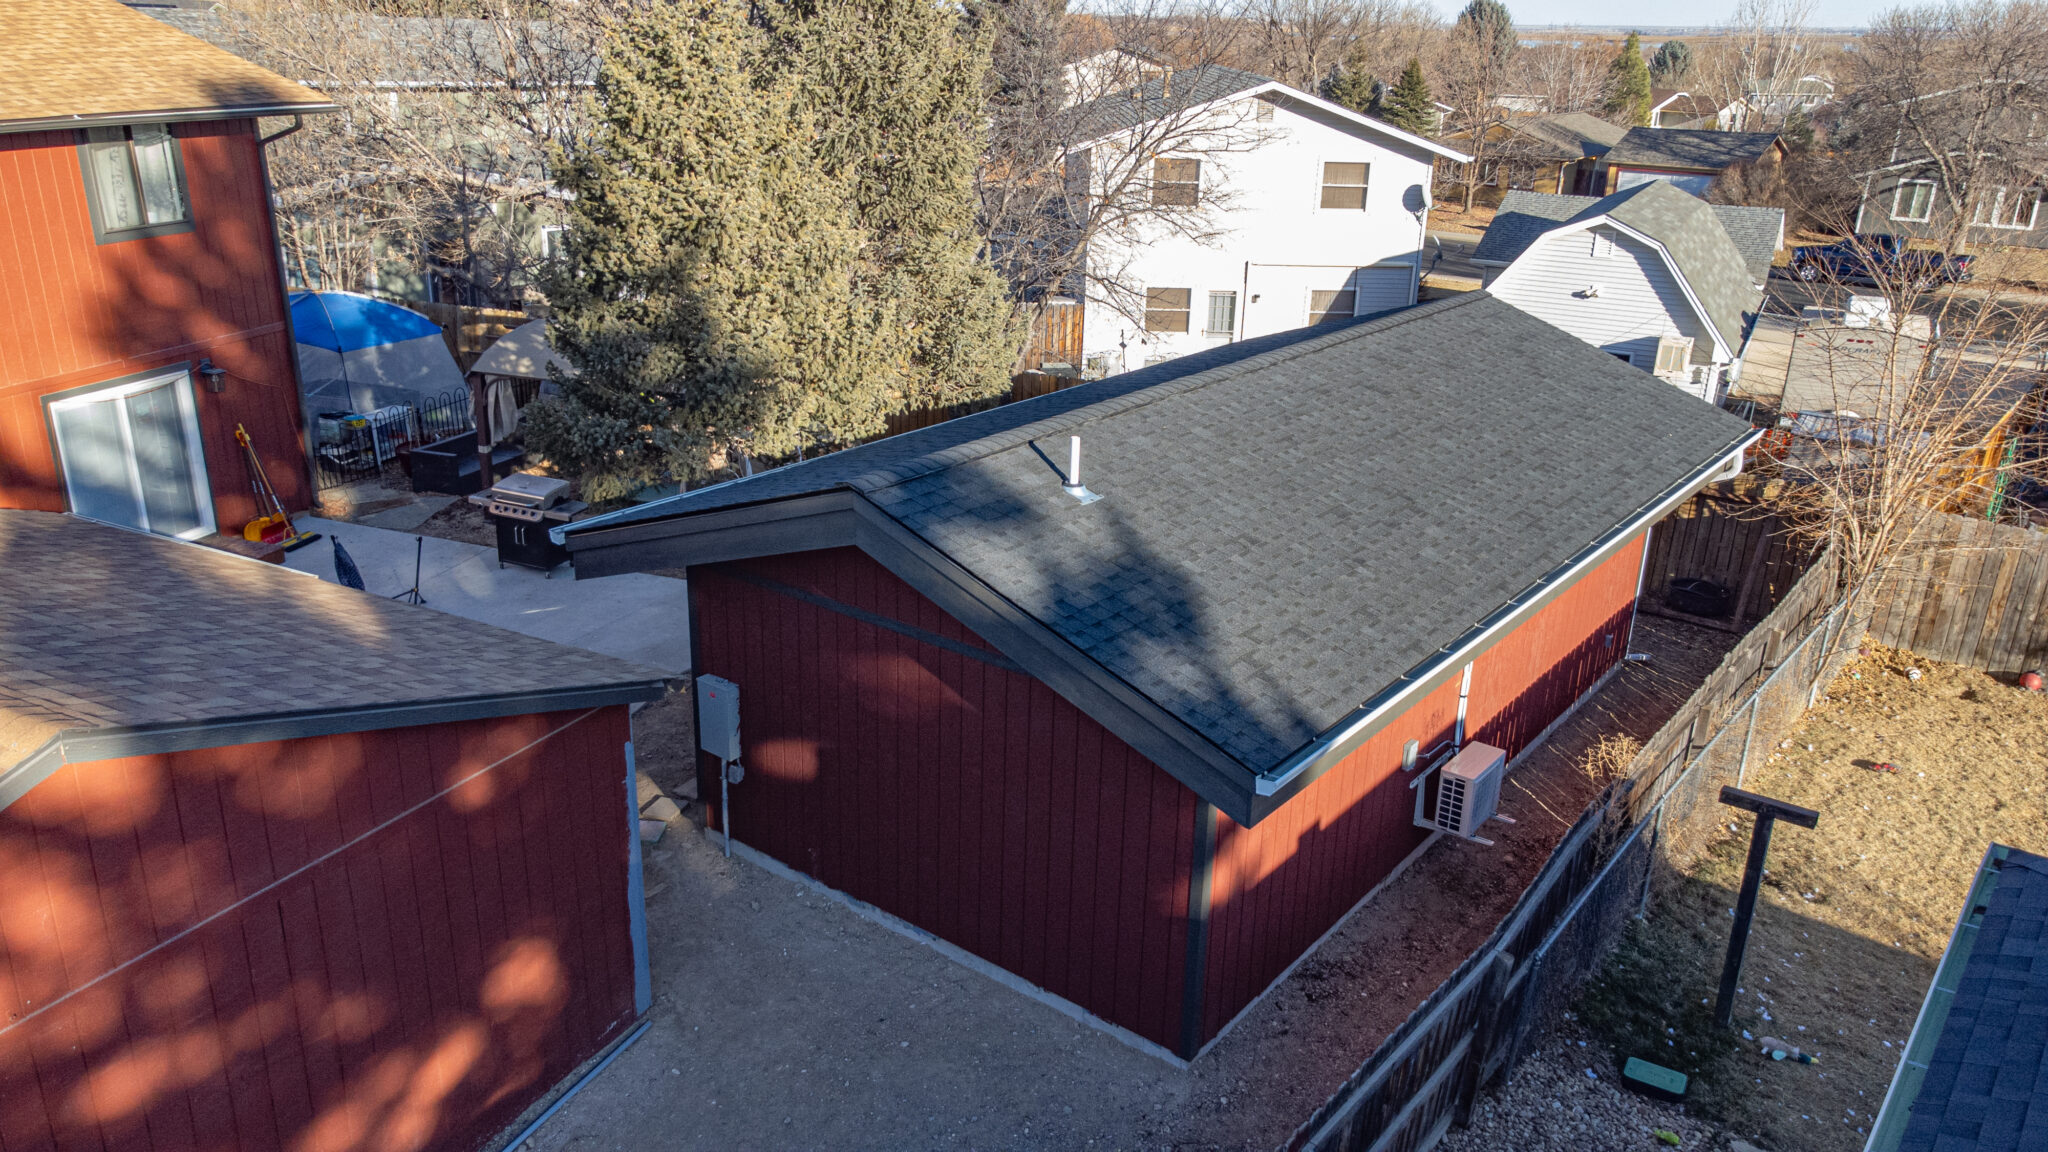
x=1480, y=1022
x=1023, y=386
x=1969, y=592
x=1724, y=535
x=468, y=331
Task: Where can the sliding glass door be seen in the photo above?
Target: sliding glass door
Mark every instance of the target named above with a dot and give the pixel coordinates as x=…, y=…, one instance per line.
x=131, y=456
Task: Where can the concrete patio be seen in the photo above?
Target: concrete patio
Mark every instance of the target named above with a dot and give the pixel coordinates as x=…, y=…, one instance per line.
x=645, y=619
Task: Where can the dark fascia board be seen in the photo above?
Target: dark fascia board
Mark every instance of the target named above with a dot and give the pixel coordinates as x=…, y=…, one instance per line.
x=844, y=518
x=84, y=745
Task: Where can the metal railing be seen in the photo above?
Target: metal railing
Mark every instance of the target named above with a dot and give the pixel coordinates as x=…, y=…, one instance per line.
x=355, y=446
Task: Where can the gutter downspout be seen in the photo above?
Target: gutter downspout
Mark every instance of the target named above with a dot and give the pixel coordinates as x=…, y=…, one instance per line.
x=284, y=300
x=1270, y=782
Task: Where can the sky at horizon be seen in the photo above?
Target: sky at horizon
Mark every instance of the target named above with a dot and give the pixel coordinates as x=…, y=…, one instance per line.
x=1667, y=13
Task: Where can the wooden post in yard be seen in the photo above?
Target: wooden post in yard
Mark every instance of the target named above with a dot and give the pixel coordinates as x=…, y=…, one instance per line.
x=479, y=405
x=1768, y=812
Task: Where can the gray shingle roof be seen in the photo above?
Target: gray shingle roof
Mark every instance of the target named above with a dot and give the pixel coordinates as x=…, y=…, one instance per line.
x=1288, y=524
x=1696, y=233
x=1986, y=1085
x=1523, y=216
x=1700, y=148
x=103, y=628
x=1574, y=135
x=1175, y=92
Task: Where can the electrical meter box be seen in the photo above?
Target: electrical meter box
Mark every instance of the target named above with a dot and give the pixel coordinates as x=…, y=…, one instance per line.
x=718, y=717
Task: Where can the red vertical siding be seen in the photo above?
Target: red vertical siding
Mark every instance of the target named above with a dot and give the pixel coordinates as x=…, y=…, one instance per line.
x=966, y=798
x=417, y=986
x=1279, y=886
x=80, y=312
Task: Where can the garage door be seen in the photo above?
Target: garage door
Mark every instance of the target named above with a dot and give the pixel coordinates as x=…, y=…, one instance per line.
x=1384, y=287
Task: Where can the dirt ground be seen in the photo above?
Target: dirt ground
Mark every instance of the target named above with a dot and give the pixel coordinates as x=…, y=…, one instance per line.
x=1449, y=216
x=1854, y=914
x=768, y=992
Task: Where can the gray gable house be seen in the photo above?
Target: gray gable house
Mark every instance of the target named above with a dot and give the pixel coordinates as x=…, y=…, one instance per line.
x=1650, y=274
x=1973, y=1077
x=1195, y=690
x=1687, y=158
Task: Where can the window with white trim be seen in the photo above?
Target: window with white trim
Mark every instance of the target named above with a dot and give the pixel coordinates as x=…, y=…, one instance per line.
x=1166, y=309
x=1344, y=185
x=1326, y=307
x=1176, y=182
x=134, y=182
x=1913, y=201
x=1222, y=314
x=2009, y=208
x=130, y=454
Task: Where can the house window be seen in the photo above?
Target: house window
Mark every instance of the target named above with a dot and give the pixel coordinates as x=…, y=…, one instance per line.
x=1222, y=314
x=1344, y=185
x=134, y=182
x=553, y=242
x=130, y=455
x=1262, y=110
x=1913, y=200
x=1176, y=182
x=1603, y=245
x=1674, y=356
x=2013, y=208
x=1324, y=307
x=1166, y=309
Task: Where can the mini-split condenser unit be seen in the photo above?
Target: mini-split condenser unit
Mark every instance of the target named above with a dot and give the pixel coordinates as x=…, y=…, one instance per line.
x=1468, y=789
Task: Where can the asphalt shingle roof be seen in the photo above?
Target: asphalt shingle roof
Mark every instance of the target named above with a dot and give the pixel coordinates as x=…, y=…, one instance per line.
x=1523, y=216
x=103, y=628
x=1701, y=148
x=1986, y=1087
x=1288, y=524
x=1574, y=135
x=63, y=58
x=1697, y=234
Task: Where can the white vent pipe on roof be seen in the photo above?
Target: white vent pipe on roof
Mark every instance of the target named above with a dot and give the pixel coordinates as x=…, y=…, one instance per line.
x=1073, y=485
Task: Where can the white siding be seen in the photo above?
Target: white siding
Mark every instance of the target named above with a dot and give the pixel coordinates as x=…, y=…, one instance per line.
x=1277, y=246
x=1639, y=299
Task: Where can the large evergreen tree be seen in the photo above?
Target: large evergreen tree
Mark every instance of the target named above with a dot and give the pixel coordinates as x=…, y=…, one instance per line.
x=1487, y=24
x=1628, y=85
x=771, y=244
x=1355, y=88
x=1670, y=63
x=1408, y=104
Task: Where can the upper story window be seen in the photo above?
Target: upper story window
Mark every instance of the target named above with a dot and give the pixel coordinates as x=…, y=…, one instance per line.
x=1913, y=201
x=134, y=182
x=1166, y=309
x=1344, y=185
x=1176, y=182
x=2008, y=208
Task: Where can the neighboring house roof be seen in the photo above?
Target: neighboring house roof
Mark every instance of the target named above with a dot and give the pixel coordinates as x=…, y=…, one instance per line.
x=116, y=643
x=1574, y=135
x=416, y=51
x=1183, y=90
x=1523, y=216
x=1692, y=149
x=1289, y=526
x=74, y=63
x=1972, y=1077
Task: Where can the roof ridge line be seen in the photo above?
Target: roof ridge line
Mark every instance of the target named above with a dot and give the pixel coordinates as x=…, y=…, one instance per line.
x=994, y=442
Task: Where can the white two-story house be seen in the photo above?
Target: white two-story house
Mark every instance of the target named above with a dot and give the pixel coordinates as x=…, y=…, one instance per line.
x=1248, y=208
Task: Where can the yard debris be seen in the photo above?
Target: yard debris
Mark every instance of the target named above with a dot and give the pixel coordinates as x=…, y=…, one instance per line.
x=1884, y=766
x=1667, y=1136
x=2031, y=680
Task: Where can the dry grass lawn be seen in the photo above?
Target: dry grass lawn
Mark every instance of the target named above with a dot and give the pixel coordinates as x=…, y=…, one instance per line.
x=1854, y=913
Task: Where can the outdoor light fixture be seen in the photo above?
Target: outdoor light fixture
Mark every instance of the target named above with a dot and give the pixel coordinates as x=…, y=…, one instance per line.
x=216, y=378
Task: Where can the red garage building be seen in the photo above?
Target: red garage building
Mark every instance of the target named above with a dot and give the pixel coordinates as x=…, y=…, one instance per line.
x=284, y=865
x=1143, y=735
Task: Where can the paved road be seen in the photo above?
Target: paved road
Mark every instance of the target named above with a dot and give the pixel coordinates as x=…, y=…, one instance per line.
x=1450, y=254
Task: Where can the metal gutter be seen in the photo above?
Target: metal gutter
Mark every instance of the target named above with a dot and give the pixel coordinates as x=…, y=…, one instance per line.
x=1326, y=750
x=171, y=116
x=84, y=745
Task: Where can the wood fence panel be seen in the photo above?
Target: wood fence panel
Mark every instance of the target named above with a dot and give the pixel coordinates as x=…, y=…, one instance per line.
x=1969, y=592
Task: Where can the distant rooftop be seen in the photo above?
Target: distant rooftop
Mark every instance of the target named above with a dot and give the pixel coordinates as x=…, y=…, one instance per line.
x=1700, y=149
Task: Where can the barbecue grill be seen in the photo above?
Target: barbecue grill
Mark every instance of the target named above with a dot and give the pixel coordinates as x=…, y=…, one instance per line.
x=524, y=507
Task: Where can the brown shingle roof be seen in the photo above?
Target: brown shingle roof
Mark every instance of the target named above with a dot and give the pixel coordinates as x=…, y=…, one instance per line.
x=79, y=61
x=102, y=628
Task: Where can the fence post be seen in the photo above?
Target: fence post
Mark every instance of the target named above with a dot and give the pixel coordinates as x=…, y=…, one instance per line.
x=1755, y=702
x=1484, y=1036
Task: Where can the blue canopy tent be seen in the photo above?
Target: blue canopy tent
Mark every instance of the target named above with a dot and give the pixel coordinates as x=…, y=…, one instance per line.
x=358, y=354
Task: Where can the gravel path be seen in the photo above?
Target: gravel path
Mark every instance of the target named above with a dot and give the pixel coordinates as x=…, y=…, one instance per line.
x=1550, y=1104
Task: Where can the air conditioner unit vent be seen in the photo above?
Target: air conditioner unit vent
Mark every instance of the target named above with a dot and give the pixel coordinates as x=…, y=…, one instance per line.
x=1468, y=791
